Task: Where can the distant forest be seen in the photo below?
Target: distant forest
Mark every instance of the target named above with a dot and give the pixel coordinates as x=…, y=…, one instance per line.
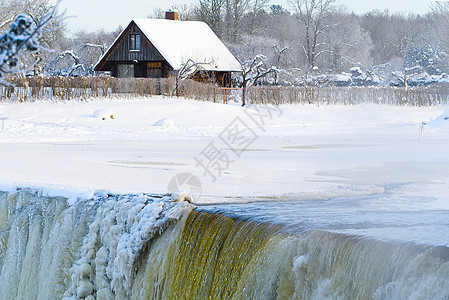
x=317, y=39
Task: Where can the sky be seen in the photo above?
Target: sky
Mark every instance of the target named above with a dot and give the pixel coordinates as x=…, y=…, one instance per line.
x=93, y=15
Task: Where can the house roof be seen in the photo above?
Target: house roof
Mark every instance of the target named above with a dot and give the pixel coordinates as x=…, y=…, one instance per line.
x=179, y=41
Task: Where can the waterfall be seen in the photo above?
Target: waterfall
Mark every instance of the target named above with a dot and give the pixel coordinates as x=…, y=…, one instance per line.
x=157, y=247
x=51, y=248
x=207, y=260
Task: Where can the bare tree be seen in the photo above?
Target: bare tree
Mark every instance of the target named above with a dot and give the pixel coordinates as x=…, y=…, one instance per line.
x=257, y=7
x=441, y=7
x=235, y=11
x=348, y=45
x=210, y=11
x=438, y=24
x=391, y=34
x=82, y=50
x=313, y=14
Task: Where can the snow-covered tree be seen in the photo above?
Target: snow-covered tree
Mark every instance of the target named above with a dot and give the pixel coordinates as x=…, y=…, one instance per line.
x=76, y=64
x=253, y=71
x=432, y=59
x=23, y=35
x=87, y=48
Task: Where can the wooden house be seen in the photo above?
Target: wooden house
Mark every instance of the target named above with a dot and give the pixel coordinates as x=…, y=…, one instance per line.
x=158, y=48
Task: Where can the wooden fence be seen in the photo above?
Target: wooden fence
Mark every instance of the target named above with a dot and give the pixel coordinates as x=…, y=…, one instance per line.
x=412, y=96
x=83, y=88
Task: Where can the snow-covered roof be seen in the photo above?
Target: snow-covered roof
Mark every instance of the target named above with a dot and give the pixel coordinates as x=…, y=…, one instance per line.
x=179, y=41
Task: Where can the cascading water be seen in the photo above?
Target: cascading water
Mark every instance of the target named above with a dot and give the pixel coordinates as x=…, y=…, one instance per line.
x=157, y=247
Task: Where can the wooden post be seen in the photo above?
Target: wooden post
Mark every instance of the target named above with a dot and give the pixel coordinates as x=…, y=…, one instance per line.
x=226, y=92
x=3, y=122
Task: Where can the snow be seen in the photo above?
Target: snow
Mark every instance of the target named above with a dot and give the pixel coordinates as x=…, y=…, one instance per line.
x=305, y=152
x=167, y=122
x=442, y=121
x=179, y=41
x=104, y=114
x=343, y=77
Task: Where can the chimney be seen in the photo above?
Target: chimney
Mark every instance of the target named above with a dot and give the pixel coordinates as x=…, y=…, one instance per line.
x=171, y=15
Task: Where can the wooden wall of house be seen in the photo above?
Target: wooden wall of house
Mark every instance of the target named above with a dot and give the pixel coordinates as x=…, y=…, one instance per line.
x=122, y=53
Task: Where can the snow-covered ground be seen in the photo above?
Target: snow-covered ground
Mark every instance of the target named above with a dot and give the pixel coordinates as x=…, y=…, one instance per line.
x=234, y=154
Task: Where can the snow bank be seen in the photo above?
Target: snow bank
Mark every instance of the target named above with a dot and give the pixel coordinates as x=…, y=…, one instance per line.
x=165, y=122
x=442, y=121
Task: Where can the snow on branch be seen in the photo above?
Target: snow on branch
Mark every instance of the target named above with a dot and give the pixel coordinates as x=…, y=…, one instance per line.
x=187, y=70
x=101, y=47
x=23, y=35
x=253, y=70
x=70, y=53
x=76, y=61
x=406, y=76
x=6, y=22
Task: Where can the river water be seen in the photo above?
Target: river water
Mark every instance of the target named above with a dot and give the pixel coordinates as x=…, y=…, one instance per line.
x=379, y=216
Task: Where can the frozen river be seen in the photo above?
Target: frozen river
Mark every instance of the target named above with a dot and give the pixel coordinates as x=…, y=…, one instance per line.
x=373, y=216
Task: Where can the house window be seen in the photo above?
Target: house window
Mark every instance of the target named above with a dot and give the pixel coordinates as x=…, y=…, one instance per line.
x=134, y=42
x=154, y=70
x=125, y=71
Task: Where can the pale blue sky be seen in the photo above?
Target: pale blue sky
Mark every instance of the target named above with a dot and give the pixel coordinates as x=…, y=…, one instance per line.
x=93, y=15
